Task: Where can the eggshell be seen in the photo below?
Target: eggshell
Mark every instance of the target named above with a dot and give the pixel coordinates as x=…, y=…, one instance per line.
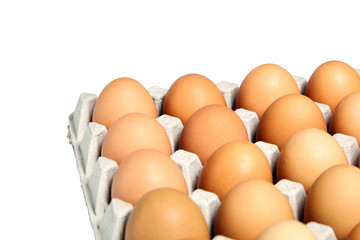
x=188, y=94
x=355, y=233
x=120, y=97
x=132, y=132
x=145, y=170
x=166, y=214
x=307, y=154
x=209, y=128
x=287, y=115
x=231, y=164
x=331, y=82
x=195, y=239
x=334, y=199
x=346, y=118
x=263, y=85
x=286, y=230
x=251, y=207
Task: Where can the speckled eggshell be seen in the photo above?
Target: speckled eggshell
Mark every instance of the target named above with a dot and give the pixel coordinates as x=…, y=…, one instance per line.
x=251, y=207
x=120, y=97
x=307, y=154
x=346, y=118
x=209, y=128
x=132, y=132
x=188, y=94
x=331, y=82
x=231, y=164
x=262, y=86
x=286, y=116
x=164, y=214
x=334, y=199
x=145, y=170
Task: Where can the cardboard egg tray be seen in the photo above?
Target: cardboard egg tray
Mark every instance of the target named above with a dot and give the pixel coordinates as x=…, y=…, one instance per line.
x=108, y=217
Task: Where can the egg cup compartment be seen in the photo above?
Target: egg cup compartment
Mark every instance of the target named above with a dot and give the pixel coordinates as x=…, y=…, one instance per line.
x=350, y=147
x=295, y=194
x=322, y=232
x=190, y=166
x=108, y=218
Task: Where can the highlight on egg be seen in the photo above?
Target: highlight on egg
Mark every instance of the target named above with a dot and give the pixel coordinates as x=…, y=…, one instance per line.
x=249, y=208
x=287, y=115
x=209, y=128
x=331, y=82
x=232, y=163
x=143, y=171
x=346, y=116
x=120, y=97
x=132, y=132
x=286, y=230
x=263, y=85
x=163, y=214
x=334, y=199
x=307, y=154
x=188, y=94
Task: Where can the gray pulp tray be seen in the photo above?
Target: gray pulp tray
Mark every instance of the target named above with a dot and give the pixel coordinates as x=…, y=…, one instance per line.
x=108, y=218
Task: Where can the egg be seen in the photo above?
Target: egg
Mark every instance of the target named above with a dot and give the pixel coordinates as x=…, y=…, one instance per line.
x=286, y=230
x=231, y=164
x=249, y=208
x=334, y=199
x=190, y=93
x=164, y=214
x=120, y=97
x=132, y=132
x=355, y=233
x=145, y=170
x=331, y=82
x=287, y=115
x=346, y=116
x=307, y=154
x=195, y=239
x=209, y=128
x=263, y=85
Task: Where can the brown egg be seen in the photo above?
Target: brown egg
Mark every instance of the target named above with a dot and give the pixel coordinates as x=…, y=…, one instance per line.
x=132, y=132
x=331, y=82
x=120, y=97
x=286, y=230
x=355, y=233
x=251, y=207
x=262, y=86
x=209, y=128
x=346, y=116
x=287, y=115
x=231, y=164
x=145, y=170
x=307, y=154
x=188, y=94
x=334, y=199
x=195, y=239
x=166, y=214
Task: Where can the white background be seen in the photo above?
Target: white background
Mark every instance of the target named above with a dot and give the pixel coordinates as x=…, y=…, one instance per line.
x=51, y=51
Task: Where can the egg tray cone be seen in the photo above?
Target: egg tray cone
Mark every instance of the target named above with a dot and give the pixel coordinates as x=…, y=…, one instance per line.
x=108, y=218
